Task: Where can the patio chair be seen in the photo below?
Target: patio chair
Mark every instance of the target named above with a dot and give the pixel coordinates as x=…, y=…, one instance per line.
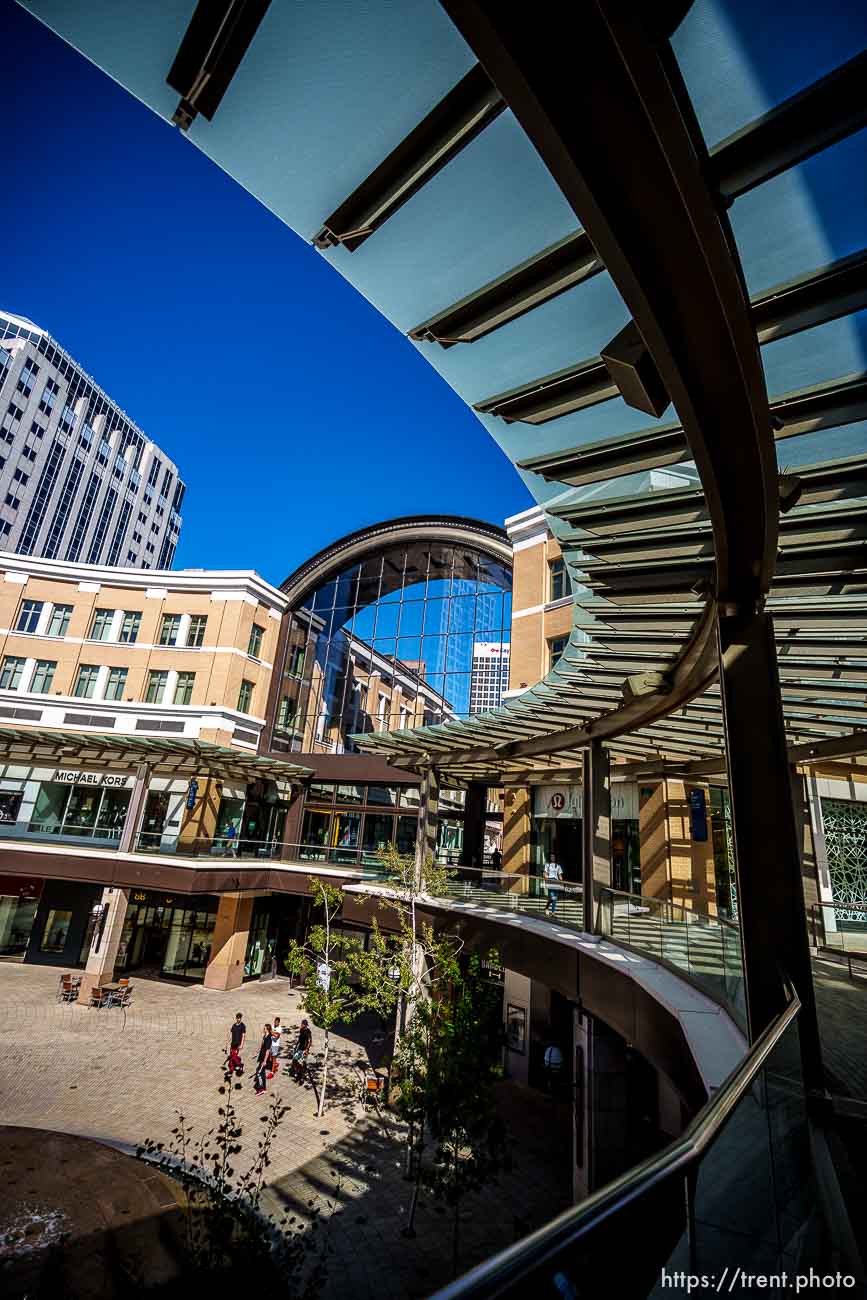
x=99, y=998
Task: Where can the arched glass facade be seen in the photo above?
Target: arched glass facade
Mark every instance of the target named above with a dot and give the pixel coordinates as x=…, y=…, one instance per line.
x=414, y=634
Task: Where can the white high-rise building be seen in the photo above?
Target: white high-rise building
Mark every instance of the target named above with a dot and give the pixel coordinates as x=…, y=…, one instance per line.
x=490, y=675
x=78, y=480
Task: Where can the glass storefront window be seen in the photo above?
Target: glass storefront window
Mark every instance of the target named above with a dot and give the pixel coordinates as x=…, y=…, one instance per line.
x=386, y=794
x=10, y=804
x=344, y=835
x=378, y=832
x=314, y=833
x=406, y=833
x=409, y=797
x=56, y=929
x=154, y=820
x=350, y=794
x=259, y=948
x=49, y=809
x=229, y=818
x=321, y=793
x=112, y=814
x=17, y=914
x=81, y=811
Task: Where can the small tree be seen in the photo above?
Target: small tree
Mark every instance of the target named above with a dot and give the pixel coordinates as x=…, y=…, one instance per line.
x=325, y=963
x=228, y=1238
x=462, y=1067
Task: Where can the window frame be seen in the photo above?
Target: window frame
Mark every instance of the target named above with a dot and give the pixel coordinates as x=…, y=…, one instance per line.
x=173, y=620
x=48, y=668
x=27, y=614
x=16, y=663
x=134, y=614
x=82, y=669
x=187, y=680
x=111, y=687
x=245, y=695
x=257, y=636
x=196, y=630
x=65, y=612
x=151, y=685
x=106, y=616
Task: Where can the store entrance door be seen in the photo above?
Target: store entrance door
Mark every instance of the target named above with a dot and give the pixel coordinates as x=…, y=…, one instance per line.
x=150, y=936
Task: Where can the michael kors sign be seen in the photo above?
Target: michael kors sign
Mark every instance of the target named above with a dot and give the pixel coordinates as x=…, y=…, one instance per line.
x=92, y=778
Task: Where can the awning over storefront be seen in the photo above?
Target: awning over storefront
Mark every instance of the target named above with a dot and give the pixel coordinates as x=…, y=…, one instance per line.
x=183, y=757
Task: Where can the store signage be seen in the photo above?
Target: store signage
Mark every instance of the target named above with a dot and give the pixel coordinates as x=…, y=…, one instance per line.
x=147, y=896
x=92, y=778
x=567, y=801
x=697, y=815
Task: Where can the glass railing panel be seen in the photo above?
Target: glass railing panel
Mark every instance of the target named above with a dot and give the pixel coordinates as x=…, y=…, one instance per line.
x=754, y=1194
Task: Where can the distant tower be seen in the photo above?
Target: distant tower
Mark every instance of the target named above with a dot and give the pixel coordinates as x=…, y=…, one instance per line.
x=490, y=675
x=78, y=480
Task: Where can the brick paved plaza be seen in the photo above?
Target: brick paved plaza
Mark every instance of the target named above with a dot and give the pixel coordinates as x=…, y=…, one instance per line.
x=88, y=1072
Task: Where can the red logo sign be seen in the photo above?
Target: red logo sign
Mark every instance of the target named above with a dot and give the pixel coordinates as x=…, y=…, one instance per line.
x=558, y=802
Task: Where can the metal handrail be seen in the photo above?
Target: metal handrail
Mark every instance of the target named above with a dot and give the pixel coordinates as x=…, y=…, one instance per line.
x=507, y=1267
x=666, y=902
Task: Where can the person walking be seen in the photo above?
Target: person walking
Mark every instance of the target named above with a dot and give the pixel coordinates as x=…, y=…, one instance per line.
x=302, y=1051
x=263, y=1061
x=276, y=1039
x=496, y=859
x=237, y=1038
x=552, y=874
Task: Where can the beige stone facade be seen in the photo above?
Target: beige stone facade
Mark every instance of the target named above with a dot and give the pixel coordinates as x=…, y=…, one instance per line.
x=192, y=649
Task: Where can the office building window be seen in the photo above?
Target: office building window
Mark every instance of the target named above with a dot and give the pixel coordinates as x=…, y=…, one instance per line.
x=285, y=713
x=12, y=502
x=169, y=629
x=116, y=684
x=20, y=477
x=245, y=696
x=26, y=378
x=85, y=682
x=100, y=628
x=156, y=687
x=43, y=676
x=184, y=688
x=28, y=615
x=130, y=626
x=58, y=624
x=557, y=580
x=29, y=453
x=556, y=648
x=196, y=633
x=256, y=635
x=10, y=672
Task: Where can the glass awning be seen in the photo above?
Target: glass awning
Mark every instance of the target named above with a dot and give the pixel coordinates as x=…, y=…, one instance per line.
x=182, y=757
x=382, y=142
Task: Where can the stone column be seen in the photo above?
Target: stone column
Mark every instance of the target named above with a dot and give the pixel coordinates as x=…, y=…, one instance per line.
x=199, y=824
x=225, y=970
x=106, y=940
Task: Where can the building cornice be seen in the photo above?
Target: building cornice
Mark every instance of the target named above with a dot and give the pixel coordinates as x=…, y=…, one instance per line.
x=227, y=584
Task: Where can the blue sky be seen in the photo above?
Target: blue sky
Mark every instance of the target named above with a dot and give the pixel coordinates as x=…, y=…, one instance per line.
x=290, y=405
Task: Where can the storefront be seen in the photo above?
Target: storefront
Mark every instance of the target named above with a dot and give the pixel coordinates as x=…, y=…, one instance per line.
x=167, y=934
x=62, y=925
x=348, y=823
x=557, y=815
x=19, y=900
x=71, y=805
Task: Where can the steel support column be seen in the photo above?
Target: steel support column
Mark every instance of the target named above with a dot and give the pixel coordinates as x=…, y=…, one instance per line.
x=428, y=820
x=595, y=830
x=767, y=857
x=475, y=808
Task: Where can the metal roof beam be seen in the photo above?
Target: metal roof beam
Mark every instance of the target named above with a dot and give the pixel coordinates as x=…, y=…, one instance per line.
x=807, y=410
x=456, y=120
x=539, y=279
x=814, y=119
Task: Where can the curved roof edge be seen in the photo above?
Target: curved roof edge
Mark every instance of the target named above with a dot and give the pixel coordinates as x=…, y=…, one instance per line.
x=488, y=537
